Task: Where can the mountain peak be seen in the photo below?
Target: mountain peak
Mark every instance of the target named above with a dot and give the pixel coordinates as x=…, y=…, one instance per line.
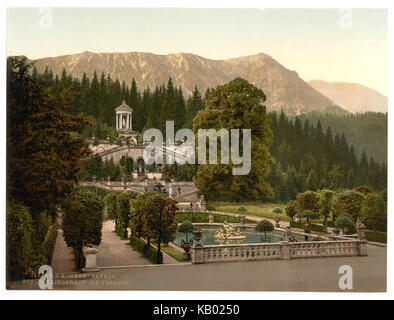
x=284, y=88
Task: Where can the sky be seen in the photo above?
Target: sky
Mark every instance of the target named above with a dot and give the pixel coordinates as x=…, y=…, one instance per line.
x=325, y=44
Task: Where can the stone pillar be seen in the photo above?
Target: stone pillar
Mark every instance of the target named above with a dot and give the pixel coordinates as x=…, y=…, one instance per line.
x=210, y=218
x=117, y=122
x=285, y=250
x=198, y=255
x=90, y=257
x=362, y=248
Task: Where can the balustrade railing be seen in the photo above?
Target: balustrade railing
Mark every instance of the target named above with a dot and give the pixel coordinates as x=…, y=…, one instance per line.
x=275, y=251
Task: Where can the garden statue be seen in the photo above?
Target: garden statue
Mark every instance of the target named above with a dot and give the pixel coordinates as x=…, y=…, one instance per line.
x=288, y=236
x=277, y=220
x=242, y=219
x=360, y=227
x=210, y=218
x=228, y=232
x=202, y=205
x=197, y=236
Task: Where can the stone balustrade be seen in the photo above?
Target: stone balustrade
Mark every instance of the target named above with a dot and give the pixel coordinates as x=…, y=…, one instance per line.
x=278, y=251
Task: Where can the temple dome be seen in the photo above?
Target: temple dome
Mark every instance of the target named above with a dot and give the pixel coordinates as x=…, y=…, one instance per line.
x=124, y=107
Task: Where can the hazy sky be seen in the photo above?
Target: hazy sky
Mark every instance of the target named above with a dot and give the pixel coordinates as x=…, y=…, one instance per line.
x=317, y=43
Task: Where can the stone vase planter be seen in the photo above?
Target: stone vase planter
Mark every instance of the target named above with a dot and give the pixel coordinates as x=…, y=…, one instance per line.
x=187, y=246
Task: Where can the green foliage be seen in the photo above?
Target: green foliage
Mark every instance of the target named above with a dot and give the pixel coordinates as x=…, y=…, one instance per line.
x=110, y=203
x=50, y=242
x=309, y=156
x=201, y=217
x=265, y=226
x=186, y=228
x=308, y=200
x=123, y=209
x=42, y=224
x=19, y=241
x=146, y=250
x=345, y=221
x=374, y=212
x=310, y=215
x=40, y=143
x=210, y=208
x=136, y=214
x=277, y=210
x=348, y=202
x=376, y=236
x=291, y=209
x=237, y=105
x=184, y=172
x=242, y=209
x=326, y=198
x=158, y=215
x=314, y=227
x=363, y=189
x=365, y=131
x=82, y=219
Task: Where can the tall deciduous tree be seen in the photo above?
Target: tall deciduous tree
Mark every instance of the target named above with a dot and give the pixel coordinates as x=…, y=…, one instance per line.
x=237, y=105
x=159, y=220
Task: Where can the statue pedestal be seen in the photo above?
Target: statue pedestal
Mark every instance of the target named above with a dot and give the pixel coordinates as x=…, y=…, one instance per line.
x=90, y=257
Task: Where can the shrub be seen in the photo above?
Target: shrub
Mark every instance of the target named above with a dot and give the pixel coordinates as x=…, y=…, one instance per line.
x=308, y=200
x=186, y=228
x=265, y=226
x=326, y=198
x=348, y=202
x=374, y=212
x=42, y=226
x=242, y=209
x=19, y=244
x=82, y=220
x=314, y=227
x=310, y=215
x=291, y=209
x=277, y=211
x=110, y=203
x=50, y=242
x=211, y=208
x=136, y=215
x=146, y=250
x=363, y=189
x=123, y=210
x=345, y=221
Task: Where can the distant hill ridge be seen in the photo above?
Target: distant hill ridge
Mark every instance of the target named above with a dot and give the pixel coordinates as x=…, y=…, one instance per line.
x=353, y=97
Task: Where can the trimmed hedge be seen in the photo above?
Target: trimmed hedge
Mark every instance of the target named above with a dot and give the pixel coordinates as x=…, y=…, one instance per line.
x=314, y=227
x=146, y=250
x=50, y=242
x=376, y=236
x=200, y=217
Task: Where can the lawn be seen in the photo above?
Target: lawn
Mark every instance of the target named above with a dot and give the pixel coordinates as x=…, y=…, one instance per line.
x=256, y=209
x=175, y=253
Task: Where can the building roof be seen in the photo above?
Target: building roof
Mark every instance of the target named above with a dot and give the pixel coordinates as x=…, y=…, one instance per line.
x=124, y=107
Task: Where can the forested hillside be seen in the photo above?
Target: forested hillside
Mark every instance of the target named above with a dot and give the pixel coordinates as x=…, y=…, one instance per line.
x=365, y=131
x=312, y=151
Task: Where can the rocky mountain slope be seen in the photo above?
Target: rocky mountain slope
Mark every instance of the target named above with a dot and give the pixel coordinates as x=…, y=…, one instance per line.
x=284, y=88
